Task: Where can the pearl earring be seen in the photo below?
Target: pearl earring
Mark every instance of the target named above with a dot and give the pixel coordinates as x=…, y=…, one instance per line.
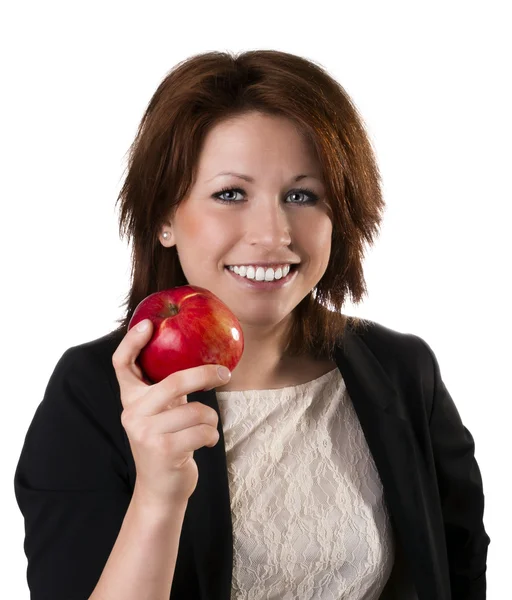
x=166, y=235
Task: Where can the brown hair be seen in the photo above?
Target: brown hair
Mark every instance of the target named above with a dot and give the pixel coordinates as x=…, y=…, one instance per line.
x=208, y=88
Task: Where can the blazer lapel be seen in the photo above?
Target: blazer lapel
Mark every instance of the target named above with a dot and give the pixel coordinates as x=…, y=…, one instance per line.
x=393, y=447
x=208, y=514
x=390, y=437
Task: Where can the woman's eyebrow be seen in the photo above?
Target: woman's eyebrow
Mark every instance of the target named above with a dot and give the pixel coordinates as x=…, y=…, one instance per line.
x=251, y=179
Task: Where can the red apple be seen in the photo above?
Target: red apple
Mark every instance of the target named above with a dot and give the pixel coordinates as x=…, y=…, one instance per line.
x=191, y=327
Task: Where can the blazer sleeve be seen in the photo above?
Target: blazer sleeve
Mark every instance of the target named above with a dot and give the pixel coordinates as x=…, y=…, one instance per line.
x=461, y=492
x=71, y=482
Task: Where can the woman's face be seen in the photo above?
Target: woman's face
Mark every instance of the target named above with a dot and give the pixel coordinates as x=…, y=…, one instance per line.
x=268, y=221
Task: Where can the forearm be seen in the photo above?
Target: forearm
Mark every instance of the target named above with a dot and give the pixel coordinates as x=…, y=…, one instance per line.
x=142, y=562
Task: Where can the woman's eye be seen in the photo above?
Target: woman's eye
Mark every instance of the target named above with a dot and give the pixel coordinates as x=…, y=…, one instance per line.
x=310, y=196
x=228, y=191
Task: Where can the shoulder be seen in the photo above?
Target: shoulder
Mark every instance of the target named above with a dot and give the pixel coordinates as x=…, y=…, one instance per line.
x=89, y=357
x=395, y=350
x=80, y=409
x=382, y=338
x=99, y=349
x=84, y=376
x=403, y=358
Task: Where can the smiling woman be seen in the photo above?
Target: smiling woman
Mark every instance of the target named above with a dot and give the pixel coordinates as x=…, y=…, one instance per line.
x=292, y=134
x=333, y=463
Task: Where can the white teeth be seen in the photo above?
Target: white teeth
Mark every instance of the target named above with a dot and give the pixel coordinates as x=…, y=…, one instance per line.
x=261, y=274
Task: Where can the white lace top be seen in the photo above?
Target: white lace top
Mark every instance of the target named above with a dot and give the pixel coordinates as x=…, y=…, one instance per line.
x=309, y=518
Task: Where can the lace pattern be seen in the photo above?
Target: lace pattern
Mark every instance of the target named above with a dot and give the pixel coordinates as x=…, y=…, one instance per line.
x=308, y=512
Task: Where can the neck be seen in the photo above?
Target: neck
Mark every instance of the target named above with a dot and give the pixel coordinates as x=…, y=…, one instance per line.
x=263, y=359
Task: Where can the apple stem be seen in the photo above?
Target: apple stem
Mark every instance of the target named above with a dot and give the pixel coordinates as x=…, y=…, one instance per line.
x=173, y=309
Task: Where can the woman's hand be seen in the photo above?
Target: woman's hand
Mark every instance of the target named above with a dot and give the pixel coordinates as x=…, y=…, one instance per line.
x=162, y=427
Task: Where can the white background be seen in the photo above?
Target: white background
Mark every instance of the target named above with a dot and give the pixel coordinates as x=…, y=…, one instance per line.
x=432, y=82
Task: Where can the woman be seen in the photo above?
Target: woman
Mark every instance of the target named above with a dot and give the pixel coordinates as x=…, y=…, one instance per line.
x=333, y=462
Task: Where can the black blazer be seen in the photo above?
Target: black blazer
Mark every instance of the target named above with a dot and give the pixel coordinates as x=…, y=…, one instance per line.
x=76, y=474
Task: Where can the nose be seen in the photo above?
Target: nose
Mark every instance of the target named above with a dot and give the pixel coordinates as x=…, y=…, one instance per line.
x=268, y=225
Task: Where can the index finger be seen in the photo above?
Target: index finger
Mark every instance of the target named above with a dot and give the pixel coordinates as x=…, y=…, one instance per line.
x=174, y=389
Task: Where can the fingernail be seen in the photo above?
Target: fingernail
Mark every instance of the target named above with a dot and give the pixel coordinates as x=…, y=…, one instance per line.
x=224, y=373
x=143, y=325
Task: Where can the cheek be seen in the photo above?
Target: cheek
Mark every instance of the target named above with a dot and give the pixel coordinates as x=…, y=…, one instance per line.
x=207, y=236
x=319, y=242
x=316, y=232
x=192, y=226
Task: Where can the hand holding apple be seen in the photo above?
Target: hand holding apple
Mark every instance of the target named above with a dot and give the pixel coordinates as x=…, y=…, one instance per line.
x=191, y=327
x=163, y=428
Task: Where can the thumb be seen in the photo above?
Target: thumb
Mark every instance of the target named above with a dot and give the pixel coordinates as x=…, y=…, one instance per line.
x=144, y=326
x=141, y=335
x=124, y=359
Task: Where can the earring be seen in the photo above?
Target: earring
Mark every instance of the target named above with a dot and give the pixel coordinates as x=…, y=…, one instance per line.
x=165, y=235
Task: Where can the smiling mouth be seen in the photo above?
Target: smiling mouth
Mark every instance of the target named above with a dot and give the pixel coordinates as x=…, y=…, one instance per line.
x=261, y=283
x=293, y=267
